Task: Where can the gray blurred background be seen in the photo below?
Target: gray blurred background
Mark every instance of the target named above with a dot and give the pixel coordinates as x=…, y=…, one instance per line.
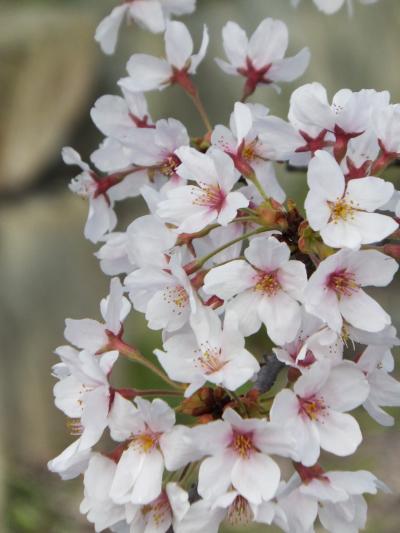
x=51, y=72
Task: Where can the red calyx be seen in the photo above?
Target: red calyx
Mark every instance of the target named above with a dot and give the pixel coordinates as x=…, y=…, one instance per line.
x=314, y=143
x=341, y=142
x=253, y=77
x=307, y=474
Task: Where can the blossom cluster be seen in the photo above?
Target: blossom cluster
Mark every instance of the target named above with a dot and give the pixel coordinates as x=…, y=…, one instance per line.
x=222, y=255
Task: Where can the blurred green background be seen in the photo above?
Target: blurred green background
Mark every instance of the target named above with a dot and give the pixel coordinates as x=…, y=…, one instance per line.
x=51, y=72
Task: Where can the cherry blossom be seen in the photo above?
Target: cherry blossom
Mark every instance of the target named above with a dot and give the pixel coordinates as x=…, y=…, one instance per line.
x=145, y=428
x=344, y=213
x=334, y=291
x=212, y=353
x=316, y=409
x=267, y=287
x=377, y=362
x=260, y=59
x=210, y=253
x=192, y=207
x=147, y=73
x=238, y=455
x=151, y=14
x=92, y=335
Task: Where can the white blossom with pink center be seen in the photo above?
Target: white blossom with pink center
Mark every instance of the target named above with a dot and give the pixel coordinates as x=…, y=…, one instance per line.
x=334, y=292
x=192, y=207
x=315, y=410
x=265, y=289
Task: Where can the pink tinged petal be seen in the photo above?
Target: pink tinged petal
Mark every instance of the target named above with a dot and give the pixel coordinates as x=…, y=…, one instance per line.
x=107, y=31
x=372, y=268
x=327, y=309
x=290, y=68
x=158, y=415
x=309, y=107
x=129, y=187
x=147, y=73
x=94, y=416
x=346, y=387
x=280, y=138
x=385, y=390
x=215, y=475
x=268, y=43
x=234, y=201
x=179, y=448
x=314, y=380
x=363, y=312
x=101, y=219
x=243, y=120
x=281, y=316
x=241, y=367
x=178, y=500
x=68, y=396
x=292, y=277
x=214, y=437
x=317, y=210
x=197, y=166
x=223, y=138
x=235, y=44
x=339, y=433
x=178, y=44
x=369, y=193
x=111, y=115
x=114, y=306
x=342, y=234
x=325, y=176
x=124, y=419
x=71, y=462
x=285, y=406
x=267, y=254
x=256, y=478
x=196, y=59
x=227, y=175
x=372, y=227
x=86, y=334
x=148, y=484
x=198, y=221
x=245, y=306
x=148, y=13
x=329, y=6
x=358, y=482
x=324, y=490
x=344, y=517
x=128, y=469
x=226, y=67
x=379, y=415
x=168, y=309
x=228, y=280
x=275, y=438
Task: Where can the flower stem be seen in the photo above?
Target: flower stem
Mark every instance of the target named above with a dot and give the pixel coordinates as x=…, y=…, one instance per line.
x=134, y=355
x=198, y=263
x=201, y=110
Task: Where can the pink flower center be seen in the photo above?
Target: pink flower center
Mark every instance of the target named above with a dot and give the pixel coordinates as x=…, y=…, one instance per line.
x=267, y=282
x=145, y=442
x=177, y=297
x=242, y=444
x=211, y=196
x=342, y=282
x=156, y=512
x=169, y=165
x=210, y=359
x=311, y=407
